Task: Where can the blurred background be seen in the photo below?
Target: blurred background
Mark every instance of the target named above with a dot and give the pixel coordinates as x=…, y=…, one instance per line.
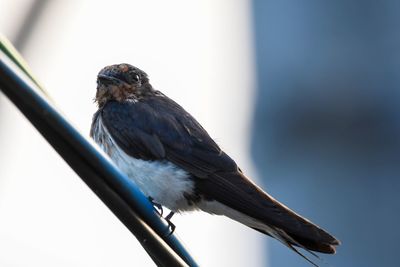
x=302, y=94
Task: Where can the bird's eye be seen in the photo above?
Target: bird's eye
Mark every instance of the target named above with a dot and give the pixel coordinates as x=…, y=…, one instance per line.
x=135, y=77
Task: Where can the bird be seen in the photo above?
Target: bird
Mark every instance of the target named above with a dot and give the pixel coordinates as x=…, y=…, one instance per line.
x=176, y=164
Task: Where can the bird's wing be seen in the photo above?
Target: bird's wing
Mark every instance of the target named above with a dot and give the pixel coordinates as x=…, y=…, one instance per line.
x=158, y=128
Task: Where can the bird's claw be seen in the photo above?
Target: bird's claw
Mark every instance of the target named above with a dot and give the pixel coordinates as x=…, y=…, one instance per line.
x=158, y=207
x=170, y=224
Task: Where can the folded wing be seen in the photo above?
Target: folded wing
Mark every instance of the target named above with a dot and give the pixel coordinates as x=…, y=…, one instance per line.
x=159, y=129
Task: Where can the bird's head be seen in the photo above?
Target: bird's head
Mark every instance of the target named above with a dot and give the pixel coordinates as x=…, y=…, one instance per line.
x=121, y=82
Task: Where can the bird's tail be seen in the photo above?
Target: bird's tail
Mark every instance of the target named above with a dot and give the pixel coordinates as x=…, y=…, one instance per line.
x=256, y=209
x=294, y=230
x=289, y=242
x=239, y=198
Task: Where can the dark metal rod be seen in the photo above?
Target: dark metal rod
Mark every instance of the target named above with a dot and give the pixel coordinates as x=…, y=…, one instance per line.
x=121, y=196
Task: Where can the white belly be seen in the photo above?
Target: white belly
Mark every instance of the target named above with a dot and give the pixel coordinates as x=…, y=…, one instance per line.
x=162, y=180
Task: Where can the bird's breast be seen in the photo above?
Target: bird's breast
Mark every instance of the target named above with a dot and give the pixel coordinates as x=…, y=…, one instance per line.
x=162, y=180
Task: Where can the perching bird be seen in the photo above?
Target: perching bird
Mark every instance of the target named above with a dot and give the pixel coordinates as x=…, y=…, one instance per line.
x=175, y=163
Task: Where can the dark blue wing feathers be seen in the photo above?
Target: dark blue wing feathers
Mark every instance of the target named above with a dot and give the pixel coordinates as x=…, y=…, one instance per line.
x=158, y=128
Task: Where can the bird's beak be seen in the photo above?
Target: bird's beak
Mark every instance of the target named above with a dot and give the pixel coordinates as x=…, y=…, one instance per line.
x=107, y=79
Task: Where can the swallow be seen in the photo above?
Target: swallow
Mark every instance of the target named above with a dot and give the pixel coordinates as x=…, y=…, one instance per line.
x=176, y=164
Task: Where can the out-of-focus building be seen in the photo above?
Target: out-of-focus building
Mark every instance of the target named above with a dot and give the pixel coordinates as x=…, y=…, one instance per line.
x=326, y=132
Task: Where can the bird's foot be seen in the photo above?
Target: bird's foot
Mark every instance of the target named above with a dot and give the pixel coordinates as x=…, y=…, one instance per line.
x=158, y=207
x=170, y=224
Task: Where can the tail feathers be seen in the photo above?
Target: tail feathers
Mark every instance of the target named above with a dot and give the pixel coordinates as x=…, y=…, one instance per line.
x=309, y=244
x=296, y=230
x=237, y=197
x=291, y=247
x=290, y=243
